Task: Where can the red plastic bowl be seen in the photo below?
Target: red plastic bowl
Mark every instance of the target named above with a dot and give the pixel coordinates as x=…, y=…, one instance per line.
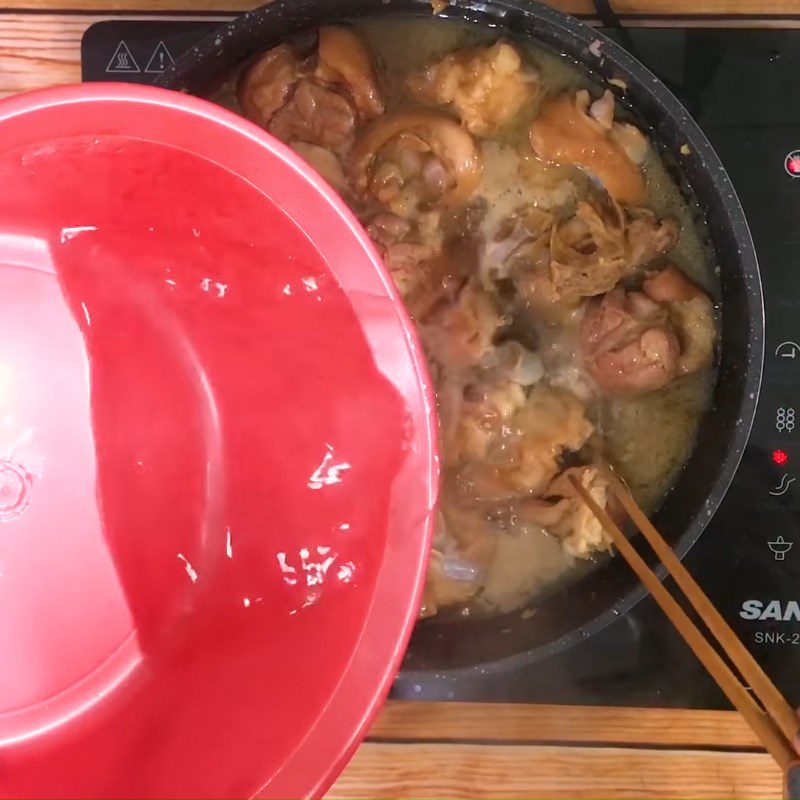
x=217, y=458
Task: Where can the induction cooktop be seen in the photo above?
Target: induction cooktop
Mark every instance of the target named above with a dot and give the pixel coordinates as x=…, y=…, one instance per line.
x=737, y=83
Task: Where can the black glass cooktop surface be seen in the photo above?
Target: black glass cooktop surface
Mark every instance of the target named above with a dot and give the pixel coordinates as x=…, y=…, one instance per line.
x=738, y=84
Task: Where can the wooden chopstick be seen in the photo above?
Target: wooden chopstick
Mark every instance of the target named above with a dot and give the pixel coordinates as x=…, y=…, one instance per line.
x=768, y=730
x=766, y=691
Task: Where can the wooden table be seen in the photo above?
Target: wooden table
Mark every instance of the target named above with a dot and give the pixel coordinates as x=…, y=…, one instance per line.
x=453, y=750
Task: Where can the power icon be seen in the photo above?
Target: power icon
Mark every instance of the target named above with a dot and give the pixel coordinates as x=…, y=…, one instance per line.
x=792, y=164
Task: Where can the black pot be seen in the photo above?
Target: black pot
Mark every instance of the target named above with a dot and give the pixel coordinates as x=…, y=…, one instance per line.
x=599, y=597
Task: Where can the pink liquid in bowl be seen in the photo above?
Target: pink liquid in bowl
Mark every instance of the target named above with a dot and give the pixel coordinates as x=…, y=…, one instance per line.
x=209, y=452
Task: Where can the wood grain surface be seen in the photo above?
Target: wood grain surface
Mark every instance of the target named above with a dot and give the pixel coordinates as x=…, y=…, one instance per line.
x=472, y=750
x=511, y=723
x=40, y=50
x=198, y=6
x=653, y=7
x=475, y=750
x=518, y=771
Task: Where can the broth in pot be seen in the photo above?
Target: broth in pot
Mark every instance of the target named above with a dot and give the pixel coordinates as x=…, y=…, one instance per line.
x=558, y=279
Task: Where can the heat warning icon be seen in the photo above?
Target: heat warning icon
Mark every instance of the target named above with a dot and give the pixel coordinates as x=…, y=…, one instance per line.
x=792, y=164
x=122, y=60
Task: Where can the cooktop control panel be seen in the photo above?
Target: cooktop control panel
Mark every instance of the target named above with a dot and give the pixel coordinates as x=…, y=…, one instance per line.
x=734, y=82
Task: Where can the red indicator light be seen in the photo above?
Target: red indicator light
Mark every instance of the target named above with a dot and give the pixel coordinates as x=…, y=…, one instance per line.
x=779, y=456
x=792, y=163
